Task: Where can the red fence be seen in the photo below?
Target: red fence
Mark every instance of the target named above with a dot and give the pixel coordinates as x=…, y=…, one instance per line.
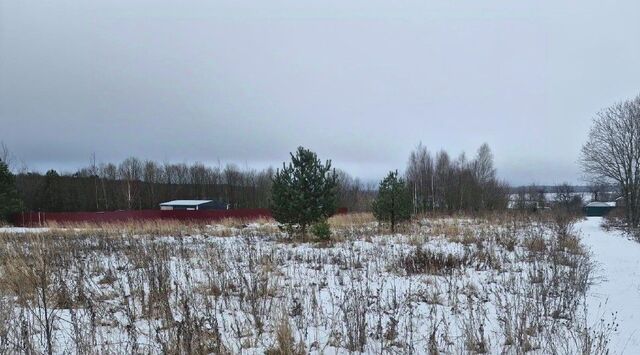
x=30, y=219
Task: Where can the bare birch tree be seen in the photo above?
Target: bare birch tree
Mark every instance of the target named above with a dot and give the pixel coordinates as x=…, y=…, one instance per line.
x=420, y=179
x=130, y=171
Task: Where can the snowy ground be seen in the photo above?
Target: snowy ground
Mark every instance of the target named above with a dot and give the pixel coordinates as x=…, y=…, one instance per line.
x=451, y=285
x=618, y=293
x=299, y=275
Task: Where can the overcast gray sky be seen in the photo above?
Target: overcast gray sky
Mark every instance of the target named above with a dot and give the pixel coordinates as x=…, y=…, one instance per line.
x=358, y=81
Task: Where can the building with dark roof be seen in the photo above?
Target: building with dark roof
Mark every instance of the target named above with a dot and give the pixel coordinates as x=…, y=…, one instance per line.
x=193, y=205
x=598, y=209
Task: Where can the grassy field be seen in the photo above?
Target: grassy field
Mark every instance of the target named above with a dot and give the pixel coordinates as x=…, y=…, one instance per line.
x=497, y=284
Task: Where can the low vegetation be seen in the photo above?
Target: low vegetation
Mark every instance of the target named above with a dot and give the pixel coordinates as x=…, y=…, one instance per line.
x=443, y=285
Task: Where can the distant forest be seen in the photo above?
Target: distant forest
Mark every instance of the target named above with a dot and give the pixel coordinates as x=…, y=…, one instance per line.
x=135, y=184
x=436, y=183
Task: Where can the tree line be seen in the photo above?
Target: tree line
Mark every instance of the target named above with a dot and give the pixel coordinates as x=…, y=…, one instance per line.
x=433, y=183
x=304, y=192
x=444, y=184
x=610, y=160
x=136, y=184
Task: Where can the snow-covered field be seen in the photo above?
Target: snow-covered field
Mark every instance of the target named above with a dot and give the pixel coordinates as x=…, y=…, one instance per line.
x=452, y=286
x=618, y=290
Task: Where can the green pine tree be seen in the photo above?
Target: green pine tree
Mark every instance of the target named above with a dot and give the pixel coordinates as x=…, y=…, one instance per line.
x=9, y=199
x=304, y=192
x=393, y=203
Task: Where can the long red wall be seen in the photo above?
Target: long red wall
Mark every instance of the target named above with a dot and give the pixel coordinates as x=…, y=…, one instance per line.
x=30, y=219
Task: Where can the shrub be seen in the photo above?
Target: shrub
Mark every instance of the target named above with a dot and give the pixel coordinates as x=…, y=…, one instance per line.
x=321, y=230
x=563, y=222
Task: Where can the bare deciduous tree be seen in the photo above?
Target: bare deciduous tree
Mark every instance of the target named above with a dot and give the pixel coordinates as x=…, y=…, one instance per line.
x=130, y=170
x=461, y=184
x=612, y=153
x=484, y=172
x=564, y=193
x=483, y=168
x=420, y=178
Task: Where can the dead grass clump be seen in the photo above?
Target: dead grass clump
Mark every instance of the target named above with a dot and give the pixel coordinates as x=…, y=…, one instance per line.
x=354, y=309
x=352, y=225
x=475, y=340
x=416, y=239
x=571, y=244
x=63, y=297
x=562, y=221
x=358, y=219
x=447, y=230
x=484, y=259
x=285, y=342
x=507, y=240
x=469, y=237
x=108, y=278
x=432, y=297
x=19, y=278
x=425, y=261
x=535, y=244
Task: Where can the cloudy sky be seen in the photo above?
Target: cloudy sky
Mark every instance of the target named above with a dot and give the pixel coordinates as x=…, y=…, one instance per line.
x=358, y=81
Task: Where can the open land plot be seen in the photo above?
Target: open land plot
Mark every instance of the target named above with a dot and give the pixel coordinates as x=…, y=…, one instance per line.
x=443, y=285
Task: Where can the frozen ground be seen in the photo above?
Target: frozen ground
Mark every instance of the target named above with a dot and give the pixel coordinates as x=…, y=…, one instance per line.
x=445, y=285
x=618, y=292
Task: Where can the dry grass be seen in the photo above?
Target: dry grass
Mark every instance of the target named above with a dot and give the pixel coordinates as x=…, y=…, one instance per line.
x=352, y=225
x=220, y=228
x=430, y=262
x=536, y=244
x=243, y=222
x=132, y=227
x=446, y=229
x=121, y=289
x=359, y=219
x=285, y=341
